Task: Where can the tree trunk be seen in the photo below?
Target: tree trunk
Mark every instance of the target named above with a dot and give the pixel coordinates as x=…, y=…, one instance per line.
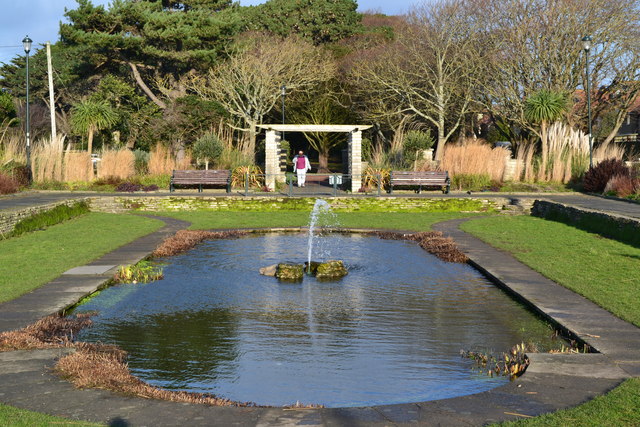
x=251, y=148
x=441, y=141
x=542, y=173
x=90, y=141
x=145, y=88
x=206, y=164
x=323, y=162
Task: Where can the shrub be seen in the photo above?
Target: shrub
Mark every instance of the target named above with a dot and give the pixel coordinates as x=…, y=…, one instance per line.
x=253, y=173
x=8, y=185
x=207, y=149
x=472, y=182
x=50, y=217
x=596, y=178
x=415, y=141
x=622, y=185
x=141, y=162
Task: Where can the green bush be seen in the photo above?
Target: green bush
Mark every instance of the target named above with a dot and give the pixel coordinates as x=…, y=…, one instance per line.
x=207, y=148
x=50, y=217
x=141, y=161
x=471, y=182
x=415, y=141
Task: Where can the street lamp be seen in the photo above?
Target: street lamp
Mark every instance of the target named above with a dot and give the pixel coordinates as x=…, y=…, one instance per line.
x=283, y=92
x=26, y=43
x=586, y=45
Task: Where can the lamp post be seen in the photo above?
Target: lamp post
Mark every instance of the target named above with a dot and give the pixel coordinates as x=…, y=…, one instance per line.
x=26, y=43
x=586, y=44
x=283, y=92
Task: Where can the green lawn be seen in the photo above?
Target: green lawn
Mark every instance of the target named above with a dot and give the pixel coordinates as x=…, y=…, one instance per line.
x=603, y=270
x=14, y=417
x=620, y=407
x=33, y=259
x=205, y=220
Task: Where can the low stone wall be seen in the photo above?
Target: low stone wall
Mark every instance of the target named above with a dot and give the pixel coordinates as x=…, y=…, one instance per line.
x=9, y=219
x=340, y=204
x=617, y=227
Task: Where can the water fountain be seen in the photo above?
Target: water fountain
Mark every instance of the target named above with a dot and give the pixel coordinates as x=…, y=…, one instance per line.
x=321, y=215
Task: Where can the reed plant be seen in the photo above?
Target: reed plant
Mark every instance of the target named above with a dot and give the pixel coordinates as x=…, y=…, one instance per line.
x=475, y=157
x=78, y=166
x=47, y=160
x=117, y=163
x=12, y=149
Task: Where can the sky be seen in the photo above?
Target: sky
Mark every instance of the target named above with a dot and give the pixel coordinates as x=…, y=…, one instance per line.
x=40, y=20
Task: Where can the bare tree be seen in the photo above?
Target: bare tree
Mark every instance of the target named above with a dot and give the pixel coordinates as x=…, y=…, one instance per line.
x=248, y=84
x=535, y=45
x=430, y=71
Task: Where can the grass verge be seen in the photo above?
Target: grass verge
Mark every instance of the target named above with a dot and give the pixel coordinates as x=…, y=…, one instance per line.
x=14, y=417
x=33, y=259
x=414, y=221
x=617, y=408
x=600, y=269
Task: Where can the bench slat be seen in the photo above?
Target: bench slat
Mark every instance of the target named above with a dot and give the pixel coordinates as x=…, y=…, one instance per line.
x=427, y=179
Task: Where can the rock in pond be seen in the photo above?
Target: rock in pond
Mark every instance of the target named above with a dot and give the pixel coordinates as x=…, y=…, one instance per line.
x=331, y=270
x=269, y=270
x=290, y=272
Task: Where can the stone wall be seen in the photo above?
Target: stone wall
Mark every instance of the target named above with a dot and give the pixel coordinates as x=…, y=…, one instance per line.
x=9, y=219
x=121, y=204
x=622, y=228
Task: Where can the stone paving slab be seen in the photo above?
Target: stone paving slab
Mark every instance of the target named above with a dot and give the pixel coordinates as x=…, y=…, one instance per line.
x=90, y=269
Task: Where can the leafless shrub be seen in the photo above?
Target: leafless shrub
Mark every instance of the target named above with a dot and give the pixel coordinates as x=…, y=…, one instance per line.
x=8, y=185
x=184, y=240
x=622, y=185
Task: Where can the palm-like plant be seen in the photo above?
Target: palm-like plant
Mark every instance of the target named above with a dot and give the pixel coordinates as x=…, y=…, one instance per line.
x=90, y=116
x=543, y=108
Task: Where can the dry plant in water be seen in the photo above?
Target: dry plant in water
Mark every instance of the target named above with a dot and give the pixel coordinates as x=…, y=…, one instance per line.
x=48, y=332
x=184, y=240
x=433, y=242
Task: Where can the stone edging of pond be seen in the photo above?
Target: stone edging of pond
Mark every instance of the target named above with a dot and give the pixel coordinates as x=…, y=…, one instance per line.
x=551, y=382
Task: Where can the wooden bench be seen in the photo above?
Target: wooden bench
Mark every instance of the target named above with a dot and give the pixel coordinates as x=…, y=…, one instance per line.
x=431, y=179
x=200, y=178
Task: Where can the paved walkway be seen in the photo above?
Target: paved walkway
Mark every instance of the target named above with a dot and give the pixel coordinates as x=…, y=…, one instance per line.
x=551, y=382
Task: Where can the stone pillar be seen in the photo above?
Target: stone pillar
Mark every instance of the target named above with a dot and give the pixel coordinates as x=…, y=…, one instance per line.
x=271, y=158
x=355, y=160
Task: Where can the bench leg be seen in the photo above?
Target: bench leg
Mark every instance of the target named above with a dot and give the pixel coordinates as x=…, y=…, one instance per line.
x=199, y=188
x=228, y=187
x=171, y=188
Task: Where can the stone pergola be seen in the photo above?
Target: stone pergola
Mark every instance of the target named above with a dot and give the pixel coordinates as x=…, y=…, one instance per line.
x=272, y=149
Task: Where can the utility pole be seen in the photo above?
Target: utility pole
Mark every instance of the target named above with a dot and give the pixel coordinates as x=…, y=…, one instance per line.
x=52, y=105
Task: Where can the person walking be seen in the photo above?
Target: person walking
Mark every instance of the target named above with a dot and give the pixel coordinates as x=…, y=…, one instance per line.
x=301, y=165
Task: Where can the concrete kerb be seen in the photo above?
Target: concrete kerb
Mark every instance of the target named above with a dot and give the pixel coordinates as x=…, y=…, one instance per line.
x=551, y=382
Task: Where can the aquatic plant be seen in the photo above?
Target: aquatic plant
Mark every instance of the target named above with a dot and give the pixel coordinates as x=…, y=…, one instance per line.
x=512, y=363
x=142, y=272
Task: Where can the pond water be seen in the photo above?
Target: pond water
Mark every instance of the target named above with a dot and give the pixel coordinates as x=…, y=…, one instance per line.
x=389, y=332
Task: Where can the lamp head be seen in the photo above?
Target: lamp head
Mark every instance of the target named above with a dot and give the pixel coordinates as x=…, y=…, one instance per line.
x=26, y=43
x=586, y=43
x=283, y=89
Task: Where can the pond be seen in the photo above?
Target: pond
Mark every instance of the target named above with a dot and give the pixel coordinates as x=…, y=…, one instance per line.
x=391, y=331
